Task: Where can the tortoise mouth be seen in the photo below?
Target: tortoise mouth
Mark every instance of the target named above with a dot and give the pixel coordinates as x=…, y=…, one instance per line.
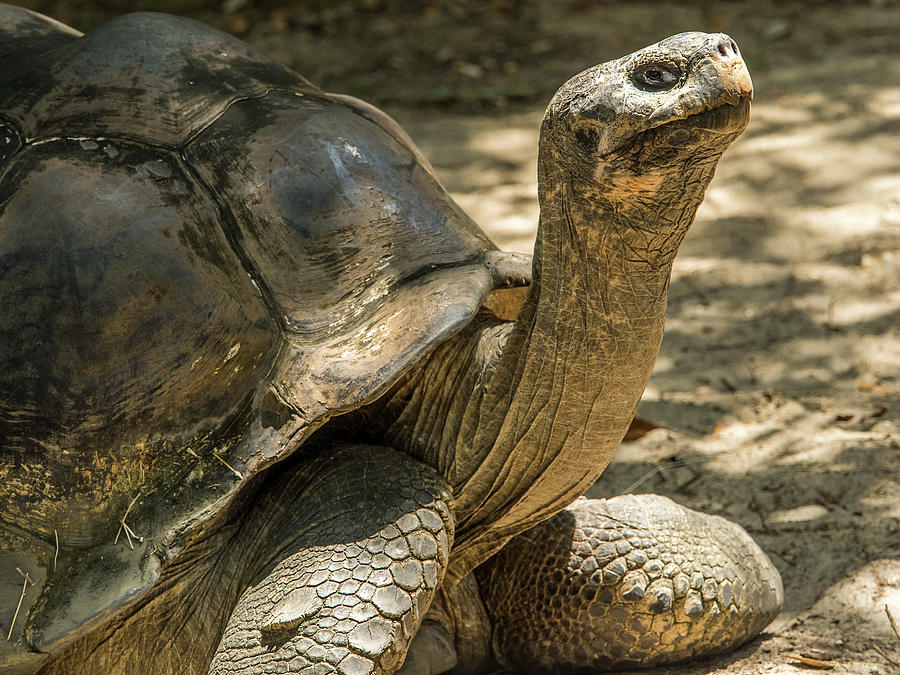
x=723, y=121
x=728, y=117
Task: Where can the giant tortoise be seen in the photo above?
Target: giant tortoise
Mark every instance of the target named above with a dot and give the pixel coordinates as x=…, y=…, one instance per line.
x=257, y=414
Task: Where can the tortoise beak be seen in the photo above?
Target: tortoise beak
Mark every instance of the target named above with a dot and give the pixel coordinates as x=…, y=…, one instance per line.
x=725, y=60
x=719, y=76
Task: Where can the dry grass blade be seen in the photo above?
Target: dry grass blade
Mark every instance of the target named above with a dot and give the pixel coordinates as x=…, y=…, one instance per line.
x=233, y=470
x=26, y=580
x=885, y=656
x=887, y=610
x=811, y=663
x=55, y=553
x=130, y=533
x=662, y=468
x=123, y=526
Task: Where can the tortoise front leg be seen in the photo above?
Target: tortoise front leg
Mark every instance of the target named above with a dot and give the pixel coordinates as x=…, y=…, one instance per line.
x=357, y=556
x=626, y=582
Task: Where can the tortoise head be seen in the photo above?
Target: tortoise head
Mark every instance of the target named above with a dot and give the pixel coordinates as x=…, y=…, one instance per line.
x=639, y=137
x=605, y=109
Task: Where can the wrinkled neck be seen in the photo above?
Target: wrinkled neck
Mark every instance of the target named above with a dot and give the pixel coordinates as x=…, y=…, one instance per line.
x=579, y=355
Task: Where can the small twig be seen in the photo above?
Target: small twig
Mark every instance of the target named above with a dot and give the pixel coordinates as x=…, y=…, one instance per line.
x=130, y=533
x=123, y=526
x=887, y=610
x=130, y=504
x=885, y=656
x=233, y=470
x=56, y=553
x=26, y=580
x=640, y=481
x=811, y=663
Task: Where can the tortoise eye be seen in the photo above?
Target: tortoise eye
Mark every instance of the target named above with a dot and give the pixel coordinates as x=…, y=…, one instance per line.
x=655, y=77
x=587, y=138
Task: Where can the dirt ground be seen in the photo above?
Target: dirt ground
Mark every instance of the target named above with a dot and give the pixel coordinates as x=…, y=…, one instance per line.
x=777, y=391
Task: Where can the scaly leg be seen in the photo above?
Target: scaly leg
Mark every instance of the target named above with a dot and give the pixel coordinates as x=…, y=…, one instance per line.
x=626, y=582
x=352, y=569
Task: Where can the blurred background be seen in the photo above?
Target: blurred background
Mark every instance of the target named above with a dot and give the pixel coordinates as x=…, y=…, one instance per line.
x=489, y=54
x=776, y=398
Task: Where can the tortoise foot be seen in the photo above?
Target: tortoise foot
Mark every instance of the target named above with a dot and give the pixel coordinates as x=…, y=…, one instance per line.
x=627, y=582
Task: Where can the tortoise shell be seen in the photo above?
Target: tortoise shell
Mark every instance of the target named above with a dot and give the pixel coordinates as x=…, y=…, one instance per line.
x=203, y=257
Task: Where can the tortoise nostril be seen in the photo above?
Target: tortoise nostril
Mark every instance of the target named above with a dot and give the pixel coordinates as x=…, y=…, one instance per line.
x=727, y=48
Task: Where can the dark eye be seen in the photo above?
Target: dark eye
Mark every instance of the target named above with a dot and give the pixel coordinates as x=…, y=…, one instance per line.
x=655, y=77
x=587, y=138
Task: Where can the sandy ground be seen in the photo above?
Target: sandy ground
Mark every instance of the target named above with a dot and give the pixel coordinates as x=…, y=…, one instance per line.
x=778, y=386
